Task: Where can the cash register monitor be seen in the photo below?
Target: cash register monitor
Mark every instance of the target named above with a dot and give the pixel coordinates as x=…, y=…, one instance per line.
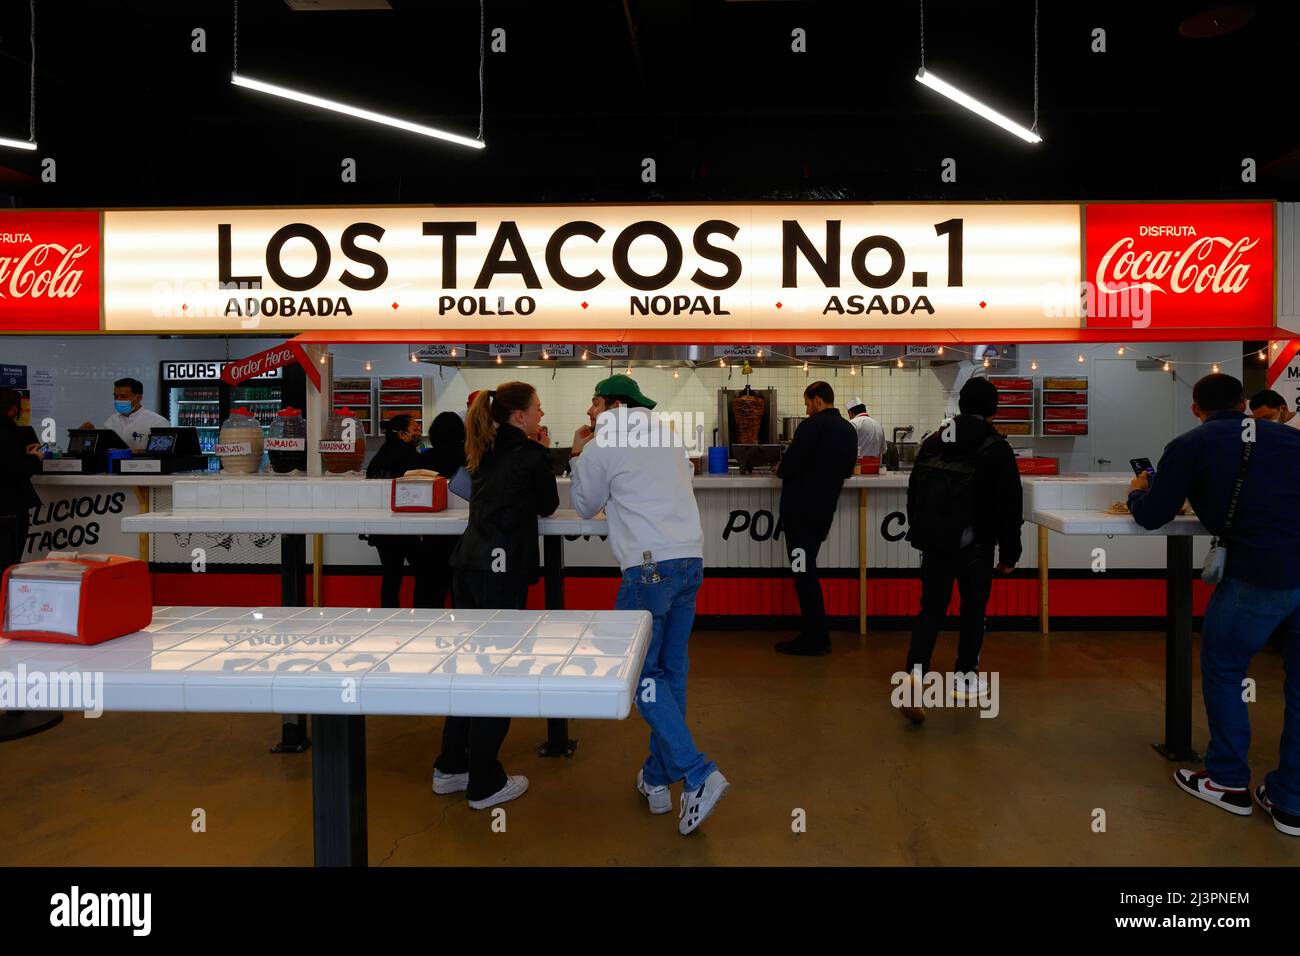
x=173, y=441
x=91, y=441
x=160, y=444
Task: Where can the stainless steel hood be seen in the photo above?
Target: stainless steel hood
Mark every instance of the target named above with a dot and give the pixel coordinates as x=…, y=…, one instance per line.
x=692, y=356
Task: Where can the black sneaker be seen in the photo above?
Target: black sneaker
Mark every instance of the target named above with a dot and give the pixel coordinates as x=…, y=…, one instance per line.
x=802, y=648
x=1198, y=784
x=1288, y=823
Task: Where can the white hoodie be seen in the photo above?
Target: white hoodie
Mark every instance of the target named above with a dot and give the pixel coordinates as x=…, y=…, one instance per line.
x=644, y=485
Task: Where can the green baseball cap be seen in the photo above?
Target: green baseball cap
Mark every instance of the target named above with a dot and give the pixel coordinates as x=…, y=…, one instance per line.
x=622, y=386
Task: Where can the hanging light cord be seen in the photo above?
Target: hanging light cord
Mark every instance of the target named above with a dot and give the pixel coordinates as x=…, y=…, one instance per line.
x=922, y=36
x=31, y=116
x=1034, y=128
x=482, y=56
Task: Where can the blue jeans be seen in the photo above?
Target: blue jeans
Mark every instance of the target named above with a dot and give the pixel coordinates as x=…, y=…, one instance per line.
x=1238, y=623
x=671, y=601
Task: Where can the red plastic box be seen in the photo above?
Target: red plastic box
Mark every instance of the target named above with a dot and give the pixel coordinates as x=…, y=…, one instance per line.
x=113, y=596
x=437, y=495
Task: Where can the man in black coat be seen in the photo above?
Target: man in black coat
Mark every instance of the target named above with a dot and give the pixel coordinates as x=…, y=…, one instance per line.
x=963, y=500
x=19, y=460
x=812, y=472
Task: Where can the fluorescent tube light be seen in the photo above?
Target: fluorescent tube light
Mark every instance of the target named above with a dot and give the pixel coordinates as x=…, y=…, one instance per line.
x=17, y=143
x=319, y=101
x=975, y=106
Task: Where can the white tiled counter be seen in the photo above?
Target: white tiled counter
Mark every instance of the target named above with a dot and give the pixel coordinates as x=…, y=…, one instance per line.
x=340, y=664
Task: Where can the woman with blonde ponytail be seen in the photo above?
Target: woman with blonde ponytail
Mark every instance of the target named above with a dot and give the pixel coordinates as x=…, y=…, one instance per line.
x=494, y=565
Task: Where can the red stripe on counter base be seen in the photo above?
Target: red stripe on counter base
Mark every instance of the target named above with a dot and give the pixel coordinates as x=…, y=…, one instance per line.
x=886, y=597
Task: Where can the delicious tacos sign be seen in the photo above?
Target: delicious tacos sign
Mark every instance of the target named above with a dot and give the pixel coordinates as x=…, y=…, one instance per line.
x=686, y=268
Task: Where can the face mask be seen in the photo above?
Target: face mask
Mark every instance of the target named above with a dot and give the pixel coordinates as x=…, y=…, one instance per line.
x=123, y=408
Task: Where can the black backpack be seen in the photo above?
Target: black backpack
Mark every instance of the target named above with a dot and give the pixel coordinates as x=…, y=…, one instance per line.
x=943, y=498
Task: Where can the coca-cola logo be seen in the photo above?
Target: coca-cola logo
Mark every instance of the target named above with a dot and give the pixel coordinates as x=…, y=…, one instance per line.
x=1154, y=266
x=44, y=270
x=1212, y=263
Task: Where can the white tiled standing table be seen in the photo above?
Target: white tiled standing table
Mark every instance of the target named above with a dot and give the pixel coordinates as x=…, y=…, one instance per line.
x=339, y=664
x=297, y=507
x=1083, y=514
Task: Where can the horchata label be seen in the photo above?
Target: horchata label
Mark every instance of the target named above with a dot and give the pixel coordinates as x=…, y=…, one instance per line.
x=233, y=448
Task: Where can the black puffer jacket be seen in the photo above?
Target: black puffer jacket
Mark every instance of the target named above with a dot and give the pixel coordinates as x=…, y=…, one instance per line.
x=998, y=512
x=511, y=488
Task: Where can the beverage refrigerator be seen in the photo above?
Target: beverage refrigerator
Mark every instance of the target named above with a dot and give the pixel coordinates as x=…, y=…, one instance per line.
x=194, y=396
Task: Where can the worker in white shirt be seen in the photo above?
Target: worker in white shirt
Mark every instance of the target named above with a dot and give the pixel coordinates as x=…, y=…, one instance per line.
x=871, y=434
x=131, y=422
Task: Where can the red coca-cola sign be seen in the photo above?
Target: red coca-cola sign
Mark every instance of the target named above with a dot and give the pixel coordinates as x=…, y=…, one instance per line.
x=1179, y=265
x=49, y=271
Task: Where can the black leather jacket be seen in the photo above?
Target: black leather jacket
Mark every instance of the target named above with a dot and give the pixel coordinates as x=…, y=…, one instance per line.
x=511, y=488
x=16, y=469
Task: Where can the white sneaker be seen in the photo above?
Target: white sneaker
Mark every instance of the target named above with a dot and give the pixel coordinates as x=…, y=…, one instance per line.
x=970, y=685
x=444, y=783
x=699, y=803
x=660, y=798
x=515, y=787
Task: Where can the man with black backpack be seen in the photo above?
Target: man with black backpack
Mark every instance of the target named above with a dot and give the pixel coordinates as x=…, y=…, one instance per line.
x=963, y=498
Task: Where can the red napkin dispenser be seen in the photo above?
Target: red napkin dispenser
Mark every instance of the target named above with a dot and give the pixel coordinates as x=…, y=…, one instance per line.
x=419, y=494
x=73, y=598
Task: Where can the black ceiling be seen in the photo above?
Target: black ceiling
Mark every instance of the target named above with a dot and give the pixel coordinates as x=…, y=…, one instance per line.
x=710, y=89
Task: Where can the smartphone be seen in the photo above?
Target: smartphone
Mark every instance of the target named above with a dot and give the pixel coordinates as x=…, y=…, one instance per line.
x=1141, y=465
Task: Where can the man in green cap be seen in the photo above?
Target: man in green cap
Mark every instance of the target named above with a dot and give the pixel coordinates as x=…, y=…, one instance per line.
x=634, y=468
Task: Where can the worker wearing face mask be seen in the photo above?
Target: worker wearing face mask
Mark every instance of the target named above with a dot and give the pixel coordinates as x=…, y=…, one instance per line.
x=131, y=422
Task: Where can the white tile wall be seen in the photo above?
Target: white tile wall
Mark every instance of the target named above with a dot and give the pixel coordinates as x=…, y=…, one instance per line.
x=893, y=396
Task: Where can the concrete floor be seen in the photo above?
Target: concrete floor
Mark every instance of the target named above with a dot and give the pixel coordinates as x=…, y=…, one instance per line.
x=1078, y=715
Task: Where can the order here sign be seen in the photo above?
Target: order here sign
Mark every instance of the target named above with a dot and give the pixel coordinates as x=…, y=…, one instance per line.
x=258, y=365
